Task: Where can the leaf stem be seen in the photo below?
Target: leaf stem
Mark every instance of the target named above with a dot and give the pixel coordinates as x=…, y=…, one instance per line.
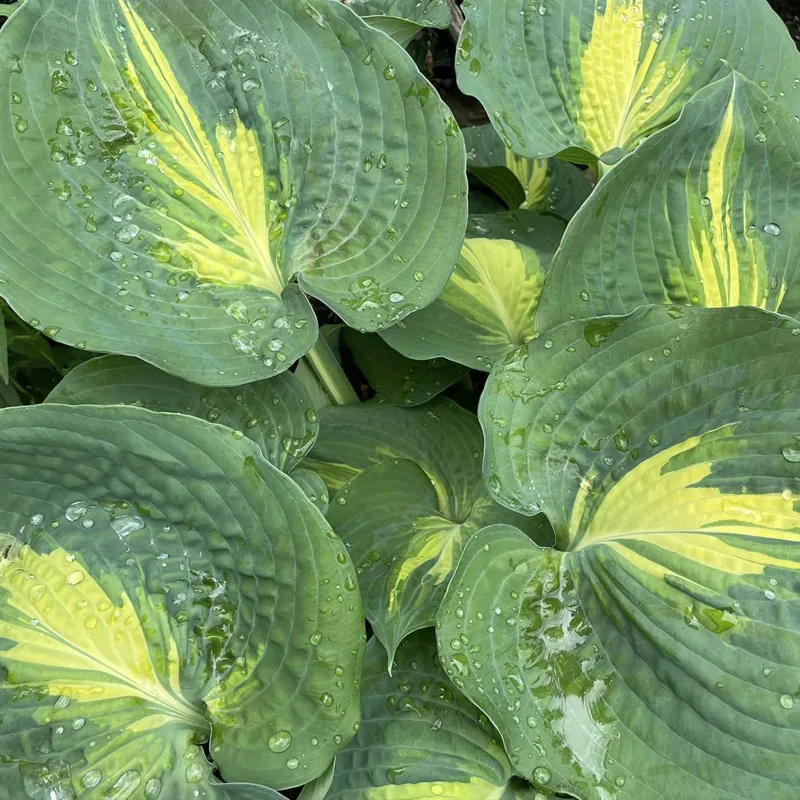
x=330, y=374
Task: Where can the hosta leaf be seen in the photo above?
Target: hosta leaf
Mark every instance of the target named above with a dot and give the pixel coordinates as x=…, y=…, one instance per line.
x=400, y=380
x=276, y=414
x=402, y=19
x=487, y=308
x=313, y=486
x=161, y=586
x=420, y=738
x=318, y=788
x=411, y=496
x=701, y=214
x=545, y=185
x=596, y=76
x=243, y=791
x=186, y=169
x=658, y=650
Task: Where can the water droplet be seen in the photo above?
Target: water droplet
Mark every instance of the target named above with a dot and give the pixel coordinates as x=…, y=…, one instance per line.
x=761, y=136
x=292, y=763
x=773, y=229
x=542, y=776
x=437, y=789
x=74, y=578
x=61, y=702
x=125, y=525
x=195, y=772
x=791, y=452
x=92, y=778
x=389, y=71
x=326, y=699
x=152, y=789
x=78, y=723
x=125, y=785
x=787, y=701
x=396, y=297
x=77, y=510
x=60, y=81
x=769, y=594
x=280, y=742
x=127, y=233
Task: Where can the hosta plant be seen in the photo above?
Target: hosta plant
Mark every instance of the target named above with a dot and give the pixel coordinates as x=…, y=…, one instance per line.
x=373, y=429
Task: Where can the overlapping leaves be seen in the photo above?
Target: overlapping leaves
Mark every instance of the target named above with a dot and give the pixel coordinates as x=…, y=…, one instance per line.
x=420, y=737
x=489, y=305
x=590, y=79
x=163, y=585
x=701, y=214
x=409, y=496
x=657, y=652
x=177, y=173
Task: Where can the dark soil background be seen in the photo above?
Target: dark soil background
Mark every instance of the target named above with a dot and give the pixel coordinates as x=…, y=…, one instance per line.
x=789, y=11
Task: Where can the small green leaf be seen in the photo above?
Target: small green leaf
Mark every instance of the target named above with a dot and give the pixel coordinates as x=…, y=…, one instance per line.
x=420, y=738
x=707, y=209
x=318, y=788
x=277, y=414
x=402, y=19
x=591, y=79
x=544, y=185
x=409, y=497
x=489, y=304
x=400, y=380
x=161, y=588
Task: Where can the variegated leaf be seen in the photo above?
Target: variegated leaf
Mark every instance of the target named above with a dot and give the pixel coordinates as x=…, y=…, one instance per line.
x=547, y=185
x=184, y=171
x=420, y=738
x=409, y=497
x=161, y=588
x=701, y=214
x=656, y=653
x=592, y=78
x=488, y=306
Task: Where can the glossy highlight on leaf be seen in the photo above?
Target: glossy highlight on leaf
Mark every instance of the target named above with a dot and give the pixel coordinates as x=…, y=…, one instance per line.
x=659, y=448
x=592, y=78
x=698, y=215
x=152, y=602
x=420, y=738
x=181, y=193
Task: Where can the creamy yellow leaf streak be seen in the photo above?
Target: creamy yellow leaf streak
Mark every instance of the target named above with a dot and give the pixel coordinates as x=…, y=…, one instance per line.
x=436, y=544
x=496, y=285
x=731, y=267
x=69, y=638
x=532, y=173
x=474, y=789
x=231, y=246
x=624, y=80
x=668, y=507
